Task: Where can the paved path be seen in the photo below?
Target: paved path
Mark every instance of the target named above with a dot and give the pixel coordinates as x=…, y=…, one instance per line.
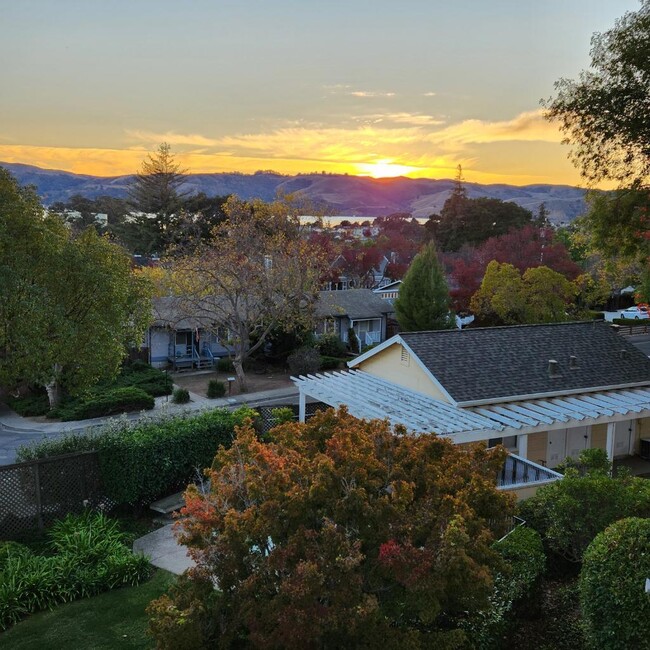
x=163, y=550
x=16, y=431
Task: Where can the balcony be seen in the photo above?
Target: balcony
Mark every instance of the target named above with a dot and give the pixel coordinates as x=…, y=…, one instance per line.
x=518, y=472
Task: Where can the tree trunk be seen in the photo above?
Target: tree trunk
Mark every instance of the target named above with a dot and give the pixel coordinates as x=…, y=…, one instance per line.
x=238, y=364
x=53, y=388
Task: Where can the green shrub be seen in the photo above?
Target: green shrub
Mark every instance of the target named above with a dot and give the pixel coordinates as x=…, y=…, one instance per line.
x=67, y=444
x=615, y=607
x=353, y=341
x=12, y=549
x=596, y=315
x=331, y=345
x=571, y=512
x=304, y=361
x=143, y=376
x=225, y=365
x=630, y=321
x=29, y=405
x=216, y=388
x=330, y=363
x=283, y=414
x=516, y=591
x=589, y=461
x=112, y=402
x=90, y=558
x=181, y=396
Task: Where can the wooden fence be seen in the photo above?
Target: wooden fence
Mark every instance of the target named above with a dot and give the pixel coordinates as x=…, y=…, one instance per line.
x=35, y=493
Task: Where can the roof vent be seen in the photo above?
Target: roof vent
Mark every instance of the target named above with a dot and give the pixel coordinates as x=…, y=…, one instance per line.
x=553, y=370
x=573, y=362
x=405, y=357
x=624, y=354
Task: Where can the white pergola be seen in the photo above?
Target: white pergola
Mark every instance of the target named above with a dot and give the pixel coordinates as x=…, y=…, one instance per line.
x=370, y=397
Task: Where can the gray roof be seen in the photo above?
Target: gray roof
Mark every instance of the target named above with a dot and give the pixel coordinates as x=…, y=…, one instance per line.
x=169, y=311
x=501, y=363
x=353, y=303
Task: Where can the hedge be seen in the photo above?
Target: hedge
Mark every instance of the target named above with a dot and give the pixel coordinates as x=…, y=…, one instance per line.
x=142, y=461
x=151, y=459
x=614, y=604
x=111, y=402
x=330, y=363
x=216, y=389
x=630, y=322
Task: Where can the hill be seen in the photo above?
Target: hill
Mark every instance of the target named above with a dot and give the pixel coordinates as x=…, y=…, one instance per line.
x=346, y=195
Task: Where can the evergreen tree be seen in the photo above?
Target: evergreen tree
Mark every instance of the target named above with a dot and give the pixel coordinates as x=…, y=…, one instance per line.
x=423, y=302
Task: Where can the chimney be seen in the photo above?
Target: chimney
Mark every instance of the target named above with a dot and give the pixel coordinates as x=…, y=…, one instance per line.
x=553, y=368
x=573, y=362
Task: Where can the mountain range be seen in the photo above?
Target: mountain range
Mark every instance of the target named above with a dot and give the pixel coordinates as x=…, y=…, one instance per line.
x=345, y=195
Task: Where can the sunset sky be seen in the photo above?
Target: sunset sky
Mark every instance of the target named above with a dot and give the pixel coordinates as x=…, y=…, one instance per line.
x=374, y=87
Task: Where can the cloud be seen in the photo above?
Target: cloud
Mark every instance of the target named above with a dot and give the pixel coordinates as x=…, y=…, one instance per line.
x=414, y=119
x=429, y=94
x=172, y=138
x=370, y=93
x=345, y=89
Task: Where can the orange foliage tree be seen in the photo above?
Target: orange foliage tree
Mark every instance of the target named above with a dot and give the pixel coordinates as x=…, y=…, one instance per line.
x=336, y=533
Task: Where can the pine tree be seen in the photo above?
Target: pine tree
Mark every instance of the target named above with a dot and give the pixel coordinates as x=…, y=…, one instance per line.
x=423, y=302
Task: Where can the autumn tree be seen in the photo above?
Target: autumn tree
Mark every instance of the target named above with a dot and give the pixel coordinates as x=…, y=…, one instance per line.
x=155, y=191
x=256, y=274
x=337, y=533
x=69, y=306
x=423, y=302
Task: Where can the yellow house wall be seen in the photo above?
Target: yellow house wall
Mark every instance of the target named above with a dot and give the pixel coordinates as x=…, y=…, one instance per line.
x=388, y=365
x=599, y=436
x=537, y=447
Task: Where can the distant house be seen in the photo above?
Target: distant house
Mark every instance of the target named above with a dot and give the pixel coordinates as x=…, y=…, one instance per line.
x=358, y=309
x=183, y=342
x=342, y=280
x=388, y=291
x=545, y=392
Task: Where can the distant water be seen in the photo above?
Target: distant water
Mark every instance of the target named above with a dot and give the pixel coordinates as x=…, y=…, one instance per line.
x=356, y=220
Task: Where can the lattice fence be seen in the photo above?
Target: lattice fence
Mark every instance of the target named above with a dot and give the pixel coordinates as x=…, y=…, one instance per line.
x=268, y=421
x=35, y=493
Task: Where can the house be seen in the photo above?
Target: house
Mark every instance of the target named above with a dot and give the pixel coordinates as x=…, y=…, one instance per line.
x=359, y=309
x=344, y=280
x=183, y=342
x=545, y=392
x=388, y=291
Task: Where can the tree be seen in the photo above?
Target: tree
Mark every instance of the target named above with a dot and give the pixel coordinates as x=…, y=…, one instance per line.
x=423, y=301
x=68, y=305
x=256, y=274
x=155, y=190
x=613, y=598
x=505, y=297
x=603, y=114
x=337, y=533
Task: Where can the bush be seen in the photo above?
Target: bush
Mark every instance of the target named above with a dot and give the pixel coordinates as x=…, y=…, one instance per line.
x=516, y=591
x=615, y=607
x=283, y=415
x=112, y=402
x=353, y=341
x=29, y=405
x=216, y=388
x=143, y=376
x=571, y=512
x=90, y=558
x=181, y=396
x=596, y=315
x=304, y=361
x=330, y=363
x=630, y=321
x=225, y=365
x=9, y=550
x=589, y=461
x=142, y=461
x=331, y=345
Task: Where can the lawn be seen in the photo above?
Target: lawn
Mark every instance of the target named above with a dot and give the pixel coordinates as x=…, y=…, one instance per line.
x=115, y=619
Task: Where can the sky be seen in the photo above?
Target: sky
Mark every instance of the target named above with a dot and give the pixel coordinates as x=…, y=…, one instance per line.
x=365, y=87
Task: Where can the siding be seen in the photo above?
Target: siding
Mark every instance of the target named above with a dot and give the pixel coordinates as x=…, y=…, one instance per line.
x=537, y=447
x=388, y=365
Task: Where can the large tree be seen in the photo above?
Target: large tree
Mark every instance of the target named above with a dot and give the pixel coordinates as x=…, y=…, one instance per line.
x=604, y=113
x=155, y=191
x=69, y=305
x=423, y=302
x=337, y=533
x=255, y=275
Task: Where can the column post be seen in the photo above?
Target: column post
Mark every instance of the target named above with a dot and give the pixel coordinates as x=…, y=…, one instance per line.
x=522, y=446
x=611, y=426
x=302, y=406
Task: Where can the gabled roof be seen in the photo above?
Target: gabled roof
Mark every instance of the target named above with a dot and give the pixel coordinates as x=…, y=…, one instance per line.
x=503, y=363
x=353, y=303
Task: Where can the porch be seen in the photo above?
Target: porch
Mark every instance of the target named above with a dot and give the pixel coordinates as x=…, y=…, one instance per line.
x=194, y=350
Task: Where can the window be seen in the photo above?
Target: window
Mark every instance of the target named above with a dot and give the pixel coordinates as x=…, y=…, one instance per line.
x=509, y=442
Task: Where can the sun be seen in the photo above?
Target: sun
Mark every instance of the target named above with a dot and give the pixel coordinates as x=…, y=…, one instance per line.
x=384, y=168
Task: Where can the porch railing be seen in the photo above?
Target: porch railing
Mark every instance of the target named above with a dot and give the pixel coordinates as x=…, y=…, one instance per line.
x=521, y=472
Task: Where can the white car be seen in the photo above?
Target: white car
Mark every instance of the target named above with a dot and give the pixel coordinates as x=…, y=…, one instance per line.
x=635, y=312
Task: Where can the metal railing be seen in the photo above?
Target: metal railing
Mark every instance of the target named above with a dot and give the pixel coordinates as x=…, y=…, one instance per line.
x=520, y=472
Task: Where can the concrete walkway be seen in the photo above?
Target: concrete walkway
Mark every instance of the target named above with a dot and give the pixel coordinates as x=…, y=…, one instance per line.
x=163, y=550
x=17, y=431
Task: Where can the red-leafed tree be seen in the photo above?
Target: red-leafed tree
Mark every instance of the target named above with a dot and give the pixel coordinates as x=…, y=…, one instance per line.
x=338, y=533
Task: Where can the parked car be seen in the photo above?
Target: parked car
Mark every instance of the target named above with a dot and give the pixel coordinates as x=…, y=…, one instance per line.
x=635, y=312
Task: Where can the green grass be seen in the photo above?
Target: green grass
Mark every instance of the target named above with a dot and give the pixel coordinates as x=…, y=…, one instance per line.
x=115, y=619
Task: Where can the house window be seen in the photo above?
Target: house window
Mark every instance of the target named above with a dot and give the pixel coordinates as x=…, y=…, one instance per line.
x=509, y=442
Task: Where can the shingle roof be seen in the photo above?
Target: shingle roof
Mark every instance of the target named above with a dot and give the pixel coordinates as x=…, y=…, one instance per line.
x=498, y=363
x=353, y=303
